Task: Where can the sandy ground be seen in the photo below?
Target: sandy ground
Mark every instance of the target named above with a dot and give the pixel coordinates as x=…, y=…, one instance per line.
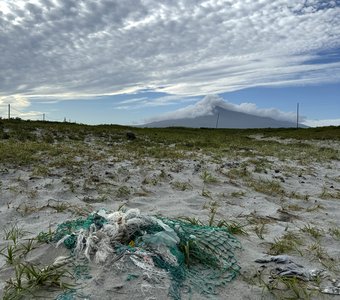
x=175, y=188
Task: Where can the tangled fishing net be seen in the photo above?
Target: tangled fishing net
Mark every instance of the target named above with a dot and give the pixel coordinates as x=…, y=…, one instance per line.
x=161, y=255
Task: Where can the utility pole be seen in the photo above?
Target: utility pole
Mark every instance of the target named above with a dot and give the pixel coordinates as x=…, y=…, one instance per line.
x=218, y=116
x=297, y=116
x=43, y=117
x=9, y=111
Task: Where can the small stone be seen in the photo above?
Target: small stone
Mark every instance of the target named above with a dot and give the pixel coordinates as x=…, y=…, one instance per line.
x=130, y=136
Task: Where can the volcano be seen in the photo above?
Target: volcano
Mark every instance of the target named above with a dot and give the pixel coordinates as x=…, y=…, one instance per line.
x=220, y=117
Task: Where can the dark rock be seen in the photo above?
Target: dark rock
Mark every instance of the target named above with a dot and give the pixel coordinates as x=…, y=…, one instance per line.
x=279, y=178
x=197, y=168
x=130, y=136
x=5, y=136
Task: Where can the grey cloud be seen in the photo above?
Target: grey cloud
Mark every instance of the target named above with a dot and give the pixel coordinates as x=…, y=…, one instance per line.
x=181, y=47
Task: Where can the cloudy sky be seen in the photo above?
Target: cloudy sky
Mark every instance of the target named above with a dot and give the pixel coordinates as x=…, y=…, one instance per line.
x=114, y=61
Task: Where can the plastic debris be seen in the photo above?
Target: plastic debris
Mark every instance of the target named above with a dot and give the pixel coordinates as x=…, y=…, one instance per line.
x=290, y=268
x=333, y=289
x=280, y=259
x=194, y=258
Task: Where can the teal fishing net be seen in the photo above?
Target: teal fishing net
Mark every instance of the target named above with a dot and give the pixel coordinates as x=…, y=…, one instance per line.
x=210, y=260
x=196, y=259
x=69, y=229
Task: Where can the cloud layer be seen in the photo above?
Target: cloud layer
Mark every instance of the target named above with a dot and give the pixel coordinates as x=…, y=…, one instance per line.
x=73, y=48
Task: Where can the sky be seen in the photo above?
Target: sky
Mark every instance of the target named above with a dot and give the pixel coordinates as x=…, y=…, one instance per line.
x=134, y=61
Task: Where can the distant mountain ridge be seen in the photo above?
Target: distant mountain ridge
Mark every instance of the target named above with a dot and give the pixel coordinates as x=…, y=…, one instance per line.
x=224, y=118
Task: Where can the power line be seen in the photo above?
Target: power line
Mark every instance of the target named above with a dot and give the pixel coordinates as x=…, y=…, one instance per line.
x=19, y=113
x=16, y=110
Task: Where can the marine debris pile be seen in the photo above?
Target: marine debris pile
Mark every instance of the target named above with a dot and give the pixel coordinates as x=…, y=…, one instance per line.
x=162, y=252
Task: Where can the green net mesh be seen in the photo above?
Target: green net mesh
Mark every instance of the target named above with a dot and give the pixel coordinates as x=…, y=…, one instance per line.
x=195, y=258
x=68, y=295
x=205, y=257
x=69, y=228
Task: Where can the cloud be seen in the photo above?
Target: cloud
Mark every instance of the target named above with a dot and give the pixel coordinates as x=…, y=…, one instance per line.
x=19, y=101
x=69, y=49
x=207, y=105
x=320, y=123
x=144, y=102
x=18, y=108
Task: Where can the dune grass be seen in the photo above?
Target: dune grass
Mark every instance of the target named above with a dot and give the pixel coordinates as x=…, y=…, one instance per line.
x=30, y=141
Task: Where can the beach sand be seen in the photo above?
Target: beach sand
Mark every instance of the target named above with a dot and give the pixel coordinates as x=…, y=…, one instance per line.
x=266, y=200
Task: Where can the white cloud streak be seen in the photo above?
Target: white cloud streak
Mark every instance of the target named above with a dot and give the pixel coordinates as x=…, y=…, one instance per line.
x=321, y=123
x=207, y=105
x=144, y=102
x=69, y=49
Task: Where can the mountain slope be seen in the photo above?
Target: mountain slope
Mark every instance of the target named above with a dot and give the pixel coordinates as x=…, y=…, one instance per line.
x=224, y=118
